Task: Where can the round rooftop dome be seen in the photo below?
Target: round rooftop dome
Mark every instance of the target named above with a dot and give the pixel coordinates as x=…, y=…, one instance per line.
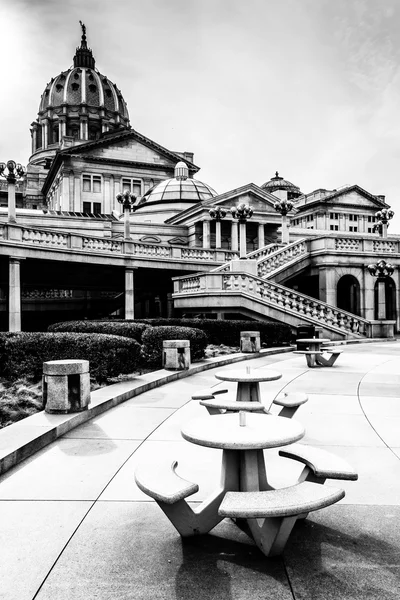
x=278, y=183
x=178, y=190
x=80, y=103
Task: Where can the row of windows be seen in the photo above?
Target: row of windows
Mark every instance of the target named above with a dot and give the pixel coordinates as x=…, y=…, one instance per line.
x=92, y=183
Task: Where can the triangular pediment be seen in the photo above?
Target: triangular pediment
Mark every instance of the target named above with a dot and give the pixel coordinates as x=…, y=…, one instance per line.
x=259, y=200
x=351, y=196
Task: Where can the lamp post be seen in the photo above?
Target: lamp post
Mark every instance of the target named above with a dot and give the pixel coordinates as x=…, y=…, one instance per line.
x=217, y=213
x=242, y=212
x=127, y=200
x=14, y=171
x=383, y=217
x=381, y=270
x=283, y=207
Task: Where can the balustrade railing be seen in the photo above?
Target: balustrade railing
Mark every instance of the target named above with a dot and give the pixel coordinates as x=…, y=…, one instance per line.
x=280, y=257
x=64, y=240
x=277, y=296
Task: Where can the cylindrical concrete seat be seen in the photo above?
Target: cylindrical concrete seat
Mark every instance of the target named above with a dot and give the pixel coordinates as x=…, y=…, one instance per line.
x=66, y=386
x=65, y=367
x=176, y=355
x=250, y=341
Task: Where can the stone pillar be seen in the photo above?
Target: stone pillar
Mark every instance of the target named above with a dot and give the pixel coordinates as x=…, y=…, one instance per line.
x=129, y=294
x=261, y=236
x=243, y=241
x=218, y=234
x=369, y=296
x=12, y=215
x=71, y=192
x=34, y=137
x=327, y=288
x=77, y=195
x=206, y=233
x=14, y=295
x=234, y=236
x=381, y=299
x=45, y=133
x=107, y=195
x=285, y=230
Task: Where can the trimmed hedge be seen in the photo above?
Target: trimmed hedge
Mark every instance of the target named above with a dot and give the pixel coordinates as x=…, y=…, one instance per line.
x=129, y=329
x=228, y=332
x=153, y=342
x=23, y=354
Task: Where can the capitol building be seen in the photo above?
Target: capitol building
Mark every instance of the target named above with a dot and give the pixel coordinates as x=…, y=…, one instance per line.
x=105, y=222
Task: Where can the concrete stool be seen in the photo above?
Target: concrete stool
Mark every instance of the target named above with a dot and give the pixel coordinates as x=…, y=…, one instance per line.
x=176, y=355
x=66, y=386
x=250, y=341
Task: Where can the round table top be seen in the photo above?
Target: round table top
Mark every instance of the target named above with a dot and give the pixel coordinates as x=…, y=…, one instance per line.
x=260, y=431
x=314, y=340
x=242, y=376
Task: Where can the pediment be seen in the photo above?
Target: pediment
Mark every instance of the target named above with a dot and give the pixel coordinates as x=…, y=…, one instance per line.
x=130, y=150
x=357, y=197
x=150, y=239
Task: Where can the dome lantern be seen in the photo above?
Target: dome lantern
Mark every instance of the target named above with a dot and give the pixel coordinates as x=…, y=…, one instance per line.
x=84, y=56
x=181, y=171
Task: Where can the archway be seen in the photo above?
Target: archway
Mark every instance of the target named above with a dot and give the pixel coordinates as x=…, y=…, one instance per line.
x=348, y=294
x=389, y=299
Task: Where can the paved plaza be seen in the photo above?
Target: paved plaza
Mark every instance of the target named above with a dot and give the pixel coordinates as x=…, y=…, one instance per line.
x=75, y=526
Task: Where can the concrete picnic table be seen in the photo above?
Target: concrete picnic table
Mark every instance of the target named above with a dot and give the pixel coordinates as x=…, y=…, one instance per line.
x=248, y=388
x=314, y=353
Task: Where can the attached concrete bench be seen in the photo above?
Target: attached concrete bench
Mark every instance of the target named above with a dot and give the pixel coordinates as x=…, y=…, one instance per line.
x=160, y=481
x=215, y=407
x=163, y=484
x=314, y=358
x=279, y=509
x=290, y=403
x=320, y=464
x=208, y=394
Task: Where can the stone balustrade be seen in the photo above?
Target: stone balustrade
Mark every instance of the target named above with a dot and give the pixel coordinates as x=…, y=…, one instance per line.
x=281, y=257
x=275, y=295
x=46, y=238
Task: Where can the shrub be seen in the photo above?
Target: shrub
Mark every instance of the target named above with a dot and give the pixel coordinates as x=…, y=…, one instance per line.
x=23, y=354
x=153, y=342
x=130, y=329
x=228, y=332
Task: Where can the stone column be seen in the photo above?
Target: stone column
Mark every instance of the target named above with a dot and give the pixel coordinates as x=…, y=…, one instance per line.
x=243, y=241
x=206, y=233
x=12, y=215
x=261, y=236
x=14, y=295
x=327, y=288
x=45, y=133
x=129, y=294
x=107, y=194
x=34, y=137
x=381, y=299
x=369, y=296
x=77, y=194
x=218, y=234
x=234, y=236
x=285, y=230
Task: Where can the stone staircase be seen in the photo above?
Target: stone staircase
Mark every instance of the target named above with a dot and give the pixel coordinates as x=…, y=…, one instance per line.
x=260, y=296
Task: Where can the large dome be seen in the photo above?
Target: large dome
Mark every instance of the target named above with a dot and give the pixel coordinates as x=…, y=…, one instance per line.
x=80, y=103
x=177, y=190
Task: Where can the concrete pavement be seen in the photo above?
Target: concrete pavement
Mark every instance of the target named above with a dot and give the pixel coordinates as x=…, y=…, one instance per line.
x=75, y=526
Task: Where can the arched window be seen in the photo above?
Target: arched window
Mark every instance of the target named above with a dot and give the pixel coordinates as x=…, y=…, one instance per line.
x=348, y=294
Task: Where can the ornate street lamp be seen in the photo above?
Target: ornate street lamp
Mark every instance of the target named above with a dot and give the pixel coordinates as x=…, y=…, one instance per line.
x=242, y=212
x=127, y=200
x=14, y=171
x=217, y=213
x=383, y=217
x=381, y=270
x=283, y=207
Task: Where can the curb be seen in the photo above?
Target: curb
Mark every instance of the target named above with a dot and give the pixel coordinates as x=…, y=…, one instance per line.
x=23, y=438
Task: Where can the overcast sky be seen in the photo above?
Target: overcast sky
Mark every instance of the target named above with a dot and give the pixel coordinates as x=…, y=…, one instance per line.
x=310, y=88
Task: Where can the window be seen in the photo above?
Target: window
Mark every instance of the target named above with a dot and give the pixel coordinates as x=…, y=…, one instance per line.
x=91, y=183
x=133, y=185
x=334, y=216
x=369, y=230
x=353, y=217
x=353, y=229
x=334, y=227
x=371, y=219
x=92, y=208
